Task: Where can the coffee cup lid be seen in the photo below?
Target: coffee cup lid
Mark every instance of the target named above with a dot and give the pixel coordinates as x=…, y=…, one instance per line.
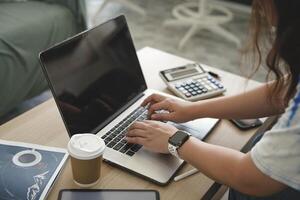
x=86, y=146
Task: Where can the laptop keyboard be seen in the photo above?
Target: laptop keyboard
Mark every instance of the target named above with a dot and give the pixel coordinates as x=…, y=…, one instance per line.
x=115, y=138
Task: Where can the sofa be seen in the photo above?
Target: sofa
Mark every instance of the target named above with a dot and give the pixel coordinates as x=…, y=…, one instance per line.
x=26, y=28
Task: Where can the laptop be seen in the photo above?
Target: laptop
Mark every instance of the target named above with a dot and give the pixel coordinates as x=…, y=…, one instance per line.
x=98, y=85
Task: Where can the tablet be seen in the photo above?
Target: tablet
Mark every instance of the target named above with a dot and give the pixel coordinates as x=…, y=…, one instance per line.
x=79, y=194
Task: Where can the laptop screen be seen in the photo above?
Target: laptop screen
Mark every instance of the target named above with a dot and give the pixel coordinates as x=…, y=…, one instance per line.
x=94, y=75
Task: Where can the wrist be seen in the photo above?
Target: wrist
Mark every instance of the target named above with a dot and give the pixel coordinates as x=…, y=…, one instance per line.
x=176, y=141
x=192, y=111
x=199, y=109
x=181, y=151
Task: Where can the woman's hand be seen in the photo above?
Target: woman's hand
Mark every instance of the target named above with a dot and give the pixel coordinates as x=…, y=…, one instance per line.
x=178, y=111
x=153, y=135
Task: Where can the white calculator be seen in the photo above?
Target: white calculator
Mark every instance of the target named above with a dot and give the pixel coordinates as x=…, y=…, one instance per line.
x=192, y=82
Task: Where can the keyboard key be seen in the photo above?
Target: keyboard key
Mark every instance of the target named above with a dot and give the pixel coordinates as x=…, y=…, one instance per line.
x=136, y=147
x=126, y=147
x=118, y=146
x=123, y=141
x=111, y=144
x=130, y=153
x=109, y=138
x=120, y=136
x=106, y=141
x=123, y=150
x=123, y=126
x=114, y=134
x=103, y=136
x=116, y=140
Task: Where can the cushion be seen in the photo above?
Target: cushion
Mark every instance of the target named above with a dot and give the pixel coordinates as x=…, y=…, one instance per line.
x=26, y=29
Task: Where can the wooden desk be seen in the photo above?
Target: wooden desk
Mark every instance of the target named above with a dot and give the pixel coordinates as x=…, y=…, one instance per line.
x=43, y=125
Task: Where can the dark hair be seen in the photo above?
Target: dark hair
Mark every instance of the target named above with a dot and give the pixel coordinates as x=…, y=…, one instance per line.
x=282, y=46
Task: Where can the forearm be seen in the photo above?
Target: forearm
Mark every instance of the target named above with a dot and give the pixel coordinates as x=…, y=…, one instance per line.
x=216, y=162
x=229, y=167
x=251, y=104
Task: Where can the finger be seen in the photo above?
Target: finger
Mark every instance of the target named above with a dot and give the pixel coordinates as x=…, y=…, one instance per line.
x=152, y=123
x=163, y=116
x=163, y=105
x=153, y=98
x=138, y=125
x=136, y=140
x=136, y=133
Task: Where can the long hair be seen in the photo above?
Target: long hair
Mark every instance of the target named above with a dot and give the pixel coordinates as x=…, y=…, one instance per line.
x=282, y=45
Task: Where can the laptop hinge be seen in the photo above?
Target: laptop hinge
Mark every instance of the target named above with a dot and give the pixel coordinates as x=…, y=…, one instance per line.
x=116, y=114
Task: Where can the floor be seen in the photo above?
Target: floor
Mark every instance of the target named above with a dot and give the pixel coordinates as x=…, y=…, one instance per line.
x=204, y=47
x=149, y=30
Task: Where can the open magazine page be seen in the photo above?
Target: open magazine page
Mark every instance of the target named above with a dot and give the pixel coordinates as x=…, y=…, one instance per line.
x=27, y=171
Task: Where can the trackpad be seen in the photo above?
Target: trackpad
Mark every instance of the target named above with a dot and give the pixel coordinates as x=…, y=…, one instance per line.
x=199, y=128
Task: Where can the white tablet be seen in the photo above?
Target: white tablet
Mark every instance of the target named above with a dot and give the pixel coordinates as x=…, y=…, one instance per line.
x=79, y=194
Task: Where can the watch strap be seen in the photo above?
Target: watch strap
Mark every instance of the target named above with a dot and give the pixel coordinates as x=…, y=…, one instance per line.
x=173, y=150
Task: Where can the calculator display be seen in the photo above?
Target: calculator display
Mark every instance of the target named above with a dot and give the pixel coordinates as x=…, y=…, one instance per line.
x=184, y=73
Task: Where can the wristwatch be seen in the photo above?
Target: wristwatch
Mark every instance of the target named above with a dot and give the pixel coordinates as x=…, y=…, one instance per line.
x=176, y=141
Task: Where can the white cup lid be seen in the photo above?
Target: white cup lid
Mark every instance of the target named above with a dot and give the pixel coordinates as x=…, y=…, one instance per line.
x=86, y=146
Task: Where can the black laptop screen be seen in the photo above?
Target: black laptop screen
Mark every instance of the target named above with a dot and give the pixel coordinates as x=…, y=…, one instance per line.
x=94, y=75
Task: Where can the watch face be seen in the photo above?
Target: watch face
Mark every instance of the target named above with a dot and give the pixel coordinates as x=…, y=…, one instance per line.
x=178, y=138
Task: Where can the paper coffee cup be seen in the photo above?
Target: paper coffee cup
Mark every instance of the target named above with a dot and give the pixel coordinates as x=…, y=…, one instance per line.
x=86, y=151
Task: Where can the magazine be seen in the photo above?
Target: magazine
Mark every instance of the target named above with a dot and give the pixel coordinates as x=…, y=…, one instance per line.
x=27, y=171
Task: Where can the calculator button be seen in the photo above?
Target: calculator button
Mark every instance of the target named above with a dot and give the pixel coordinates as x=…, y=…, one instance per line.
x=204, y=90
x=188, y=94
x=177, y=85
x=220, y=86
x=181, y=88
x=209, y=88
x=194, y=93
x=199, y=92
x=186, y=87
x=195, y=88
x=190, y=90
x=214, y=86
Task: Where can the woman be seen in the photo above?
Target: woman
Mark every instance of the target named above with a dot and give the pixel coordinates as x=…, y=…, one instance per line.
x=271, y=170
